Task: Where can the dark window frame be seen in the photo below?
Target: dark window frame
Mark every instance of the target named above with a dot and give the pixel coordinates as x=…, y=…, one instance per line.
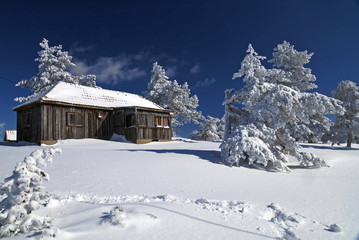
x=129, y=121
x=74, y=119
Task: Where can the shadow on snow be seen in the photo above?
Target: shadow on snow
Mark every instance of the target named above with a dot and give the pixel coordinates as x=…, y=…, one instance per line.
x=208, y=155
x=17, y=144
x=326, y=147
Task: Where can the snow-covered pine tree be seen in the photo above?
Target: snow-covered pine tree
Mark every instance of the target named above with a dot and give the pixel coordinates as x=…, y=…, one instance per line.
x=170, y=95
x=23, y=193
x=291, y=62
x=158, y=85
x=52, y=69
x=210, y=130
x=258, y=115
x=183, y=105
x=290, y=71
x=346, y=127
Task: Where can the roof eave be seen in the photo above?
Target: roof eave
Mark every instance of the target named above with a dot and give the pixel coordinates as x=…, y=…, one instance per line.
x=24, y=106
x=41, y=100
x=147, y=108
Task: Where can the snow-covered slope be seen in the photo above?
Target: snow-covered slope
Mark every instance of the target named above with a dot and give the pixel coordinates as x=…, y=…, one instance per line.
x=180, y=190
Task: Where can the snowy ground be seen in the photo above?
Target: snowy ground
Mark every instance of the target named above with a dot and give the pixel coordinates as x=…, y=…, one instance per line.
x=180, y=190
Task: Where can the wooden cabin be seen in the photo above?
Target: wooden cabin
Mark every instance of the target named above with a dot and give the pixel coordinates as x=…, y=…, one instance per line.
x=68, y=111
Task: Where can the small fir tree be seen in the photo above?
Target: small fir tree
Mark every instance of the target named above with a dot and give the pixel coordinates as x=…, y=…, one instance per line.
x=210, y=130
x=346, y=127
x=23, y=193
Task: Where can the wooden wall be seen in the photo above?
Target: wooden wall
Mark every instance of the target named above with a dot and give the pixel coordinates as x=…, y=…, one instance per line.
x=137, y=125
x=28, y=125
x=53, y=122
x=62, y=122
x=47, y=123
x=148, y=129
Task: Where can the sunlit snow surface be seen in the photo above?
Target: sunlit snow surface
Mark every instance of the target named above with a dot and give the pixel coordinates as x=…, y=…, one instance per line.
x=180, y=190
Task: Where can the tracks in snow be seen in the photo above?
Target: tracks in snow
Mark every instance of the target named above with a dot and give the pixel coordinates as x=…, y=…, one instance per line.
x=271, y=221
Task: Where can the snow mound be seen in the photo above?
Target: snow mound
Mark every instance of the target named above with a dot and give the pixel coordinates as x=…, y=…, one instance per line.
x=285, y=222
x=118, y=216
x=289, y=225
x=223, y=206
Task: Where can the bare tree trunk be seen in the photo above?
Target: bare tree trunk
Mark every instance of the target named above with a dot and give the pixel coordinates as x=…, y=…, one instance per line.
x=349, y=140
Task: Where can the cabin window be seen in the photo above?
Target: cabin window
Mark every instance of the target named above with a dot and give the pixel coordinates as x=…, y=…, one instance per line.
x=130, y=121
x=73, y=119
x=166, y=121
x=159, y=122
x=162, y=121
x=28, y=119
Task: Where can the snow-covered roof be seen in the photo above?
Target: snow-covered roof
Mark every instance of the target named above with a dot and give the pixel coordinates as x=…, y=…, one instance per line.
x=68, y=93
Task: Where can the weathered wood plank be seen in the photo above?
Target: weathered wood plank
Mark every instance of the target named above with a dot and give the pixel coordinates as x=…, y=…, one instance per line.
x=49, y=122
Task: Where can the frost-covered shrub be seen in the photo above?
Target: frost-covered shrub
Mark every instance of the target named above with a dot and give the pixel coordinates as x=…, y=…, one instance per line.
x=117, y=216
x=247, y=144
x=195, y=135
x=211, y=130
x=23, y=193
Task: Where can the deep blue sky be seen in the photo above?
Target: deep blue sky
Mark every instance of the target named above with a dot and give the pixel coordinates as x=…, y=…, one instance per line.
x=200, y=42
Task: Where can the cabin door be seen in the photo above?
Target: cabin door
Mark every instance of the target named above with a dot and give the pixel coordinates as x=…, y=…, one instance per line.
x=96, y=124
x=74, y=125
